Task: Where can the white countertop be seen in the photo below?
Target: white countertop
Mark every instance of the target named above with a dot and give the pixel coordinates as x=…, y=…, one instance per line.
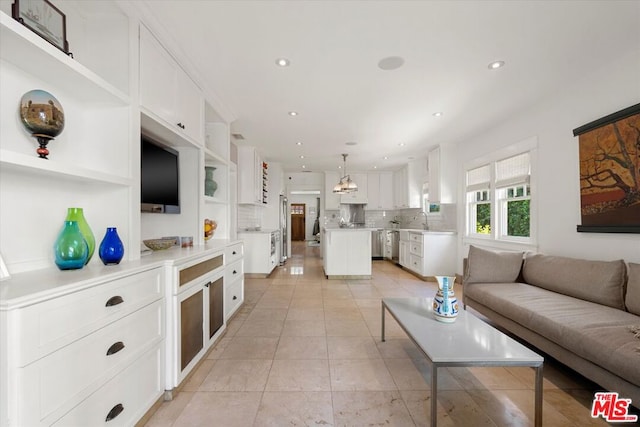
x=332, y=229
x=262, y=230
x=31, y=287
x=417, y=230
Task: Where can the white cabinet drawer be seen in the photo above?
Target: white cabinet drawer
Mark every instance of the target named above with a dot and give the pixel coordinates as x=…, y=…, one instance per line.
x=43, y=328
x=233, y=271
x=233, y=297
x=57, y=379
x=134, y=390
x=415, y=237
x=415, y=263
x=233, y=253
x=415, y=248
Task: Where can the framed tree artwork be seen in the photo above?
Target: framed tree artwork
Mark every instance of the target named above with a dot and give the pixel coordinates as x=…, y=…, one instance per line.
x=610, y=173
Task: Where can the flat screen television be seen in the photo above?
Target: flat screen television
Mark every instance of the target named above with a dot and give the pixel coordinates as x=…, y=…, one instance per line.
x=159, y=176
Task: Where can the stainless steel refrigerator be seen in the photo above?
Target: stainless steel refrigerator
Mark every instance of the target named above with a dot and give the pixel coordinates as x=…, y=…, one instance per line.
x=284, y=231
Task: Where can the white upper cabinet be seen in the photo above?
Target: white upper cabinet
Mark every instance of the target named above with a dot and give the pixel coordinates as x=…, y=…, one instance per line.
x=356, y=197
x=416, y=176
x=400, y=189
x=380, y=190
x=250, y=177
x=167, y=92
x=442, y=175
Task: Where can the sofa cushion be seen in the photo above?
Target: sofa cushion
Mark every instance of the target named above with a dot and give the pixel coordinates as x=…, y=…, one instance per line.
x=632, y=300
x=485, y=266
x=602, y=282
x=592, y=331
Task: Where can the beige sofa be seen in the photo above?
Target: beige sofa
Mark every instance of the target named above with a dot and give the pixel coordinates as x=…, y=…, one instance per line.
x=580, y=312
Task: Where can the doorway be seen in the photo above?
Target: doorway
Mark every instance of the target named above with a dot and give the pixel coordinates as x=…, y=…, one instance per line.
x=298, y=222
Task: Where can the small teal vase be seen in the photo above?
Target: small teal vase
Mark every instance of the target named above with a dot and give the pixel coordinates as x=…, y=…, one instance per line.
x=70, y=250
x=77, y=214
x=210, y=186
x=111, y=249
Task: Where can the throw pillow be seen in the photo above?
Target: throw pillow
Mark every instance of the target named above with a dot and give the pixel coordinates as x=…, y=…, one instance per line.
x=601, y=282
x=484, y=266
x=632, y=300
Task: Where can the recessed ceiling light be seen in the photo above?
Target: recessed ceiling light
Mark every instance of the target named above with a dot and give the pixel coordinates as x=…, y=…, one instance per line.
x=282, y=62
x=293, y=113
x=302, y=157
x=351, y=143
x=401, y=144
x=437, y=114
x=298, y=143
x=390, y=63
x=375, y=167
x=304, y=167
x=495, y=65
x=386, y=158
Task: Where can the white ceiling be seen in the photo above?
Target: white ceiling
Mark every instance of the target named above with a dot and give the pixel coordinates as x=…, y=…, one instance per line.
x=341, y=95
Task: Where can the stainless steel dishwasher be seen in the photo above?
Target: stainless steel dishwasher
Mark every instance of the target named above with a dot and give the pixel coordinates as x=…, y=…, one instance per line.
x=377, y=244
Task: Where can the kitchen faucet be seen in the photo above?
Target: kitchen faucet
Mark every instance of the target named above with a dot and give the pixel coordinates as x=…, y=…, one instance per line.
x=425, y=224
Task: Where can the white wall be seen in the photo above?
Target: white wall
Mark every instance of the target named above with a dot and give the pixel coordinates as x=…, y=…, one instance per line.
x=597, y=93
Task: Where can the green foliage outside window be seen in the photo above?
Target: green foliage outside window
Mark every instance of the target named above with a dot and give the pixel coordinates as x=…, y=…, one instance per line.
x=483, y=218
x=518, y=218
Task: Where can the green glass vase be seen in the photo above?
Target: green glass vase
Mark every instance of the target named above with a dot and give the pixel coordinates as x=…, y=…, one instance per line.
x=70, y=249
x=77, y=214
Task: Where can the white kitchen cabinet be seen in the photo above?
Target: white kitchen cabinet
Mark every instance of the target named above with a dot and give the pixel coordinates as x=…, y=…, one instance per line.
x=260, y=256
x=416, y=177
x=252, y=178
x=442, y=174
x=331, y=199
x=356, y=197
x=347, y=253
x=167, y=92
x=404, y=256
x=233, y=279
x=64, y=347
x=431, y=253
x=400, y=189
x=380, y=191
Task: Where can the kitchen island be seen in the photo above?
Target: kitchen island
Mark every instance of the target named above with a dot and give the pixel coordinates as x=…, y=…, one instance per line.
x=346, y=253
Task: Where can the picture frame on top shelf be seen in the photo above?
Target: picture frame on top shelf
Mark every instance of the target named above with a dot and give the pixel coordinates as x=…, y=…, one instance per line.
x=44, y=19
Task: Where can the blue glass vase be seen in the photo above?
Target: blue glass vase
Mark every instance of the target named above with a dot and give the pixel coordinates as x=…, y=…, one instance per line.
x=70, y=250
x=111, y=249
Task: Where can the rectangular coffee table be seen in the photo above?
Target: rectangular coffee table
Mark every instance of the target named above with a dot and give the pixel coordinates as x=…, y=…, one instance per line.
x=464, y=343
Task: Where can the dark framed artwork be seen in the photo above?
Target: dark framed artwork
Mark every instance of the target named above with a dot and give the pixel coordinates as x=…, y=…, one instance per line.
x=44, y=19
x=610, y=173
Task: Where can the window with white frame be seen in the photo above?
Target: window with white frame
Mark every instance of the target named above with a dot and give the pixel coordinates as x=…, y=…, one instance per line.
x=499, y=199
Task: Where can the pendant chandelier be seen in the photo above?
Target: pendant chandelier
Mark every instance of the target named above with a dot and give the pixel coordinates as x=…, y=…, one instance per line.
x=345, y=185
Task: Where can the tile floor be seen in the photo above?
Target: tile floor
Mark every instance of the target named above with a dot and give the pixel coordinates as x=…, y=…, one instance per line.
x=304, y=350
